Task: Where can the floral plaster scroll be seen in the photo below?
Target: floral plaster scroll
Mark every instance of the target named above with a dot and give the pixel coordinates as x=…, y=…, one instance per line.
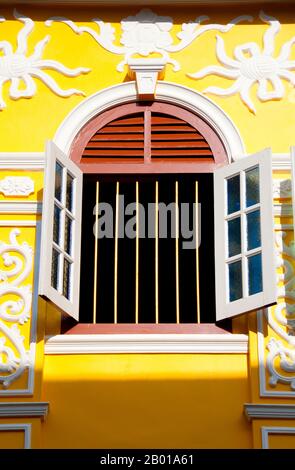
x=261, y=67
x=14, y=358
x=18, y=68
x=147, y=33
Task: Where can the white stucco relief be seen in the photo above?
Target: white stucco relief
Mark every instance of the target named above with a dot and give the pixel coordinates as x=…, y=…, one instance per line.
x=147, y=33
x=20, y=69
x=251, y=65
x=280, y=359
x=14, y=357
x=17, y=186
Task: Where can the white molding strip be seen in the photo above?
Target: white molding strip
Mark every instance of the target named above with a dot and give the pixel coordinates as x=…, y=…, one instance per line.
x=283, y=210
x=18, y=223
x=19, y=427
x=24, y=409
x=265, y=431
x=269, y=411
x=16, y=207
x=22, y=161
x=281, y=161
x=147, y=343
x=167, y=92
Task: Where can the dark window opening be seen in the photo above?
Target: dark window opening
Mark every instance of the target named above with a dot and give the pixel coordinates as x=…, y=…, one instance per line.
x=141, y=292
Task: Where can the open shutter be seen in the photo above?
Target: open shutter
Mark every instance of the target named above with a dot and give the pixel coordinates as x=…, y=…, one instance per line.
x=293, y=183
x=244, y=236
x=59, y=278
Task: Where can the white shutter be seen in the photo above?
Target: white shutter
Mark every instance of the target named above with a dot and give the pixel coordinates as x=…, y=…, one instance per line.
x=59, y=279
x=244, y=236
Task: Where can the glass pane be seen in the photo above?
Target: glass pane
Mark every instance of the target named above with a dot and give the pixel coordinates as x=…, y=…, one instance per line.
x=66, y=279
x=253, y=230
x=252, y=187
x=55, y=268
x=56, y=225
x=68, y=235
x=58, y=181
x=70, y=189
x=255, y=274
x=233, y=194
x=234, y=236
x=235, y=281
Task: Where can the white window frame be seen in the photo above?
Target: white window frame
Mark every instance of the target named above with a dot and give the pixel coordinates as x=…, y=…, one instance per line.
x=224, y=307
x=70, y=306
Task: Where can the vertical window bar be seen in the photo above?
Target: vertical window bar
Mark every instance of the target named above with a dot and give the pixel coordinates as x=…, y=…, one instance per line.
x=116, y=256
x=137, y=253
x=157, y=252
x=197, y=250
x=95, y=254
x=177, y=251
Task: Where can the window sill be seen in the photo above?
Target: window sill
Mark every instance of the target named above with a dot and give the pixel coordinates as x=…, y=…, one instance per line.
x=147, y=343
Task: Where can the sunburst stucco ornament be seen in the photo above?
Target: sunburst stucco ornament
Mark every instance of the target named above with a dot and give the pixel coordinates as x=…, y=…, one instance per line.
x=252, y=65
x=18, y=68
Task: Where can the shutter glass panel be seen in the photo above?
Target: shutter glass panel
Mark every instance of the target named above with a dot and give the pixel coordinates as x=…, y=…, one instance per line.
x=61, y=232
x=244, y=236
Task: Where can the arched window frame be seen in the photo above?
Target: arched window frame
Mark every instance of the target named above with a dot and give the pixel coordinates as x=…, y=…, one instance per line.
x=225, y=308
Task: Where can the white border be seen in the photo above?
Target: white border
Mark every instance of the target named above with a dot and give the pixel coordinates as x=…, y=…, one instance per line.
x=27, y=428
x=265, y=431
x=147, y=343
x=166, y=92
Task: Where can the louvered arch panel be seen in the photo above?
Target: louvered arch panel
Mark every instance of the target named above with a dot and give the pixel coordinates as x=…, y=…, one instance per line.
x=144, y=138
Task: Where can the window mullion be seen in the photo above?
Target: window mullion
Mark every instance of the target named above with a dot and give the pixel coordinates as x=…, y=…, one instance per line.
x=147, y=135
x=243, y=233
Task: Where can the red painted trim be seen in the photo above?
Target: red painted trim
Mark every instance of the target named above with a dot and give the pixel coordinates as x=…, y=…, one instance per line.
x=147, y=328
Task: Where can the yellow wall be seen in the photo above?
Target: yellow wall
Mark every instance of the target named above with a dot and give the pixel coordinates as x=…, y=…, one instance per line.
x=144, y=401
x=272, y=126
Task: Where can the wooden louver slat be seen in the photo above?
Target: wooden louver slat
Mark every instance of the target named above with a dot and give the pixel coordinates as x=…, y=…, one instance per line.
x=189, y=142
x=125, y=138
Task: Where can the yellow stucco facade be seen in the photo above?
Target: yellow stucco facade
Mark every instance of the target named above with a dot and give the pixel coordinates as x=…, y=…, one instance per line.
x=138, y=400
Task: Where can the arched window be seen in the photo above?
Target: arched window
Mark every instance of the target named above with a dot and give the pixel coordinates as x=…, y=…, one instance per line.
x=157, y=186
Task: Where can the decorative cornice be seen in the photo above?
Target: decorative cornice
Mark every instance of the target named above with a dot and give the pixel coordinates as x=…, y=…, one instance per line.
x=22, y=161
x=268, y=411
x=147, y=343
x=24, y=409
